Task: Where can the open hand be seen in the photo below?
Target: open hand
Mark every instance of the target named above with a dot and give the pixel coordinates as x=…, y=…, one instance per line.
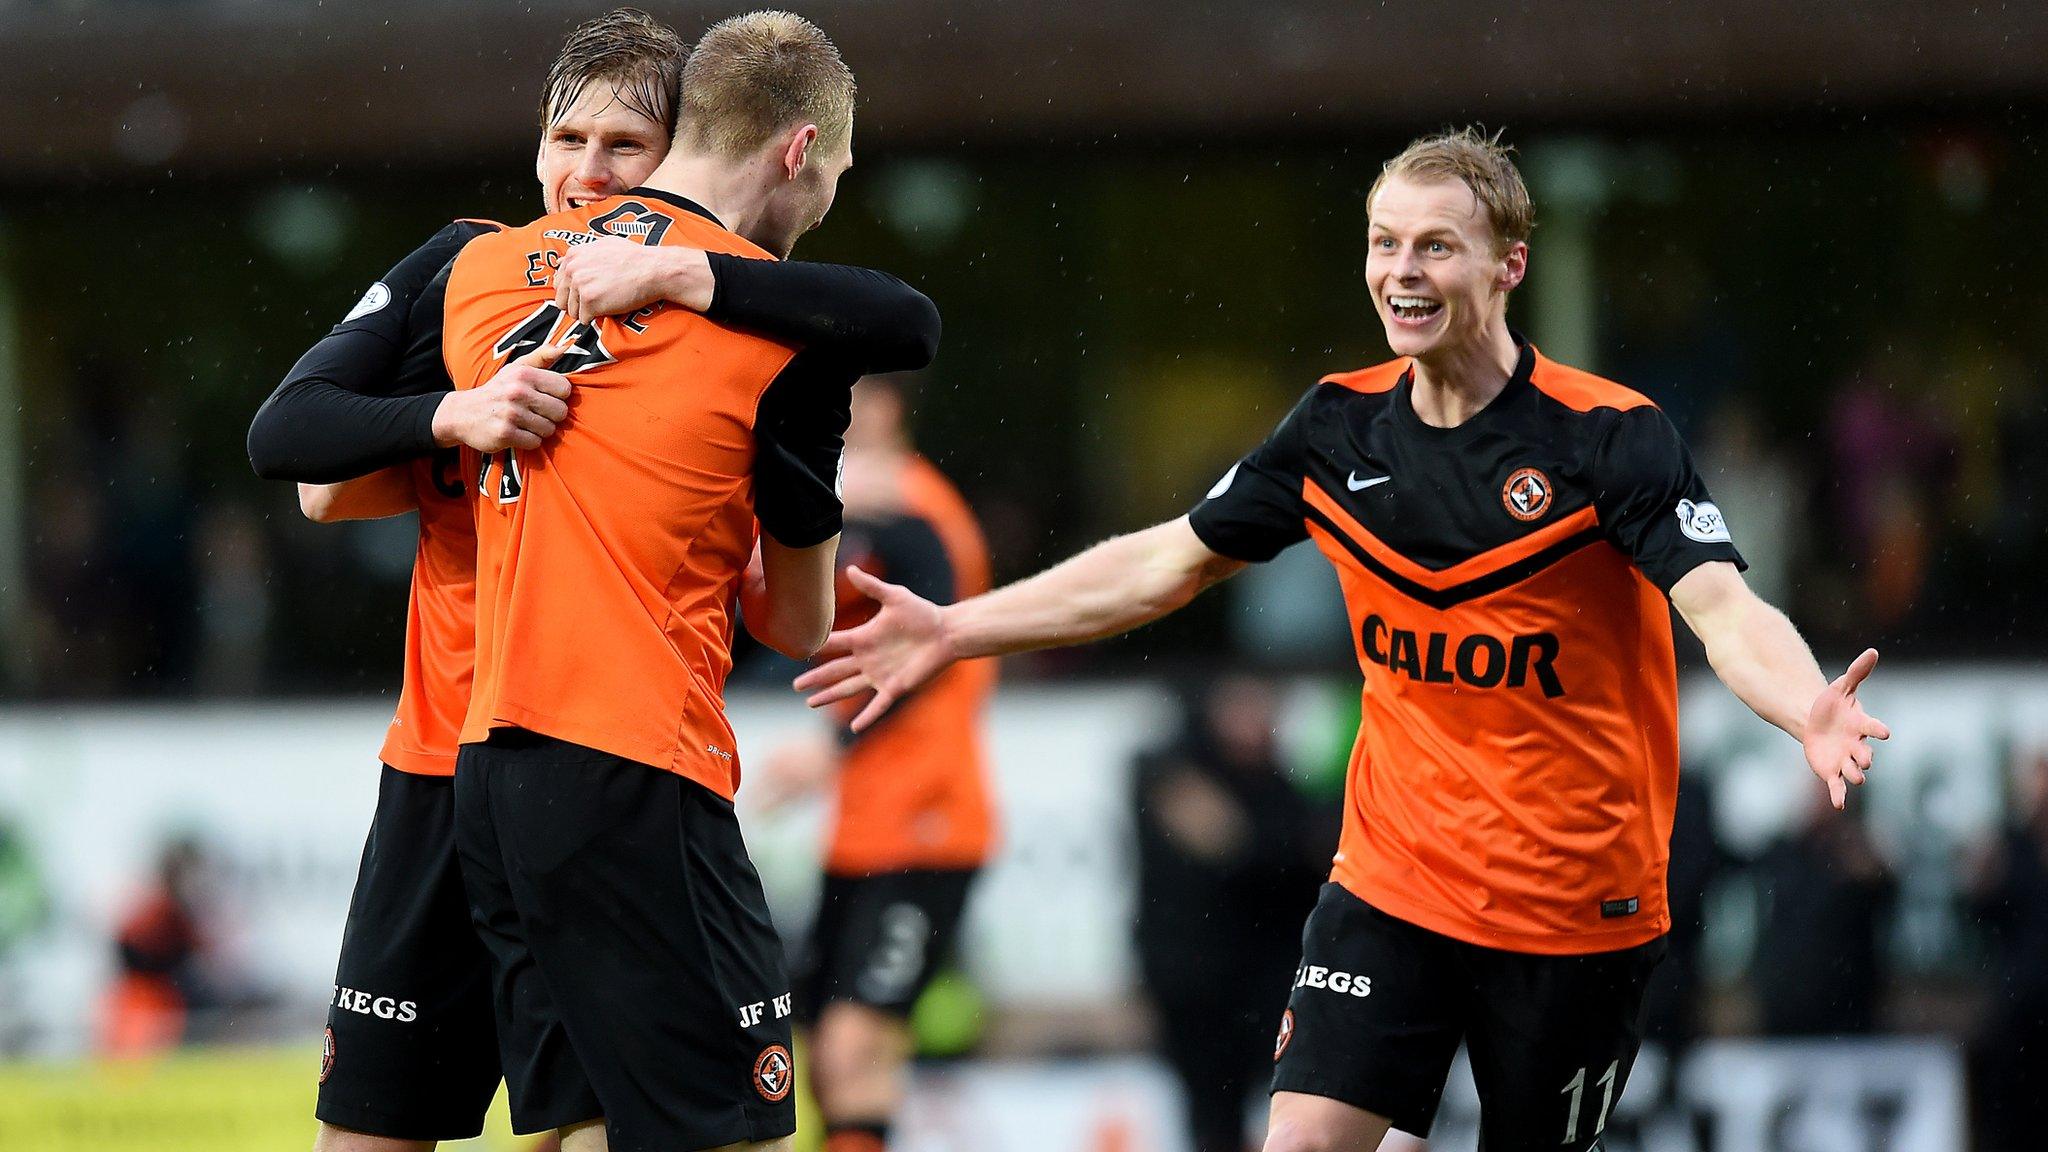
x=897, y=650
x=1839, y=731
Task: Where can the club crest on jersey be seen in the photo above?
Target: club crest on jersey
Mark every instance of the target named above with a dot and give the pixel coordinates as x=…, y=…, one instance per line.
x=1526, y=495
x=1286, y=1034
x=774, y=1075
x=327, y=1056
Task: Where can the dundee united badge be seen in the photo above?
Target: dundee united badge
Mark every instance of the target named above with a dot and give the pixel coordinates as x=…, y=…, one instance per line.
x=1526, y=494
x=774, y=1075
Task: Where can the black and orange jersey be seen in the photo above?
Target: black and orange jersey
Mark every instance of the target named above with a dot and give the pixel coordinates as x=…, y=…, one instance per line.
x=389, y=346
x=914, y=790
x=1516, y=767
x=440, y=622
x=609, y=559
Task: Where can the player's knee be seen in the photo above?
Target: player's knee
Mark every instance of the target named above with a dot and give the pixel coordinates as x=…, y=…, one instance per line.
x=333, y=1139
x=853, y=1040
x=858, y=1058
x=780, y=1144
x=588, y=1136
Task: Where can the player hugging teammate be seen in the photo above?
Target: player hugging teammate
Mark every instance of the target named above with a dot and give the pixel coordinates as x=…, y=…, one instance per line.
x=1508, y=532
x=367, y=422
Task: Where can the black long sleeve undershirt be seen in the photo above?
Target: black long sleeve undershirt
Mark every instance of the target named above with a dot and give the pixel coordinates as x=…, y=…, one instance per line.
x=327, y=423
x=871, y=320
x=364, y=397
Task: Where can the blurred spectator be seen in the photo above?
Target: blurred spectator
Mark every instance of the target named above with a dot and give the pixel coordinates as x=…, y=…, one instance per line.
x=1758, y=490
x=1291, y=612
x=234, y=602
x=71, y=594
x=1892, y=454
x=24, y=907
x=1669, y=336
x=2008, y=893
x=1230, y=858
x=1678, y=987
x=159, y=946
x=111, y=594
x=1821, y=967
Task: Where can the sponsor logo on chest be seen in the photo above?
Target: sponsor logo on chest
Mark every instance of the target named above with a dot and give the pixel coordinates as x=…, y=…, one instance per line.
x=1477, y=660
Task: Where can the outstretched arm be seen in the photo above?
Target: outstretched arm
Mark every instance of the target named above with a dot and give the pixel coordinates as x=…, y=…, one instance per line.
x=1111, y=588
x=868, y=319
x=1760, y=656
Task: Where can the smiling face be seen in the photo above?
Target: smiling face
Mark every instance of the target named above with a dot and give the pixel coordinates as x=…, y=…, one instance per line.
x=1439, y=276
x=601, y=145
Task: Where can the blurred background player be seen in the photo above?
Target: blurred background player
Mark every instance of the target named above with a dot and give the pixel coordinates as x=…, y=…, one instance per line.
x=2008, y=889
x=1230, y=853
x=604, y=863
x=163, y=941
x=1821, y=968
x=914, y=821
x=1500, y=879
x=375, y=391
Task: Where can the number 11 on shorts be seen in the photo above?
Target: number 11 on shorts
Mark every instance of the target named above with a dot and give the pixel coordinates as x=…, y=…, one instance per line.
x=1577, y=1090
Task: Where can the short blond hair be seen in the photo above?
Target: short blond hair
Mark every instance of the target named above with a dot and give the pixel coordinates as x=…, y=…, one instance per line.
x=754, y=75
x=1484, y=164
x=627, y=48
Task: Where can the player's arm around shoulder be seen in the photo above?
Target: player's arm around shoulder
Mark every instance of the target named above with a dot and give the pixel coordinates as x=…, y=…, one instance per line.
x=1761, y=657
x=387, y=492
x=611, y=275
x=871, y=318
x=354, y=402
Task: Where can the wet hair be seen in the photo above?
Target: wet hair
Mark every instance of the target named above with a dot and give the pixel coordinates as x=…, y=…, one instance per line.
x=627, y=48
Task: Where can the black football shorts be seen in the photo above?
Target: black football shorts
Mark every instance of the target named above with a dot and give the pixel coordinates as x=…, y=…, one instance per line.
x=1380, y=1006
x=411, y=1050
x=619, y=898
x=879, y=938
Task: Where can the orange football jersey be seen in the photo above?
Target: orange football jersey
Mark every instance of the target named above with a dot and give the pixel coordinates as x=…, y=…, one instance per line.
x=609, y=559
x=440, y=622
x=404, y=309
x=914, y=790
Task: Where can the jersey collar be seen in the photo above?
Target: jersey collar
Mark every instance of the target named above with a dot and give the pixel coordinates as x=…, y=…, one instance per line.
x=1518, y=382
x=683, y=202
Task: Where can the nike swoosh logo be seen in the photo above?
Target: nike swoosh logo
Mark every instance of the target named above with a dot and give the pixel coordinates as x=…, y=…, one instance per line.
x=1356, y=485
